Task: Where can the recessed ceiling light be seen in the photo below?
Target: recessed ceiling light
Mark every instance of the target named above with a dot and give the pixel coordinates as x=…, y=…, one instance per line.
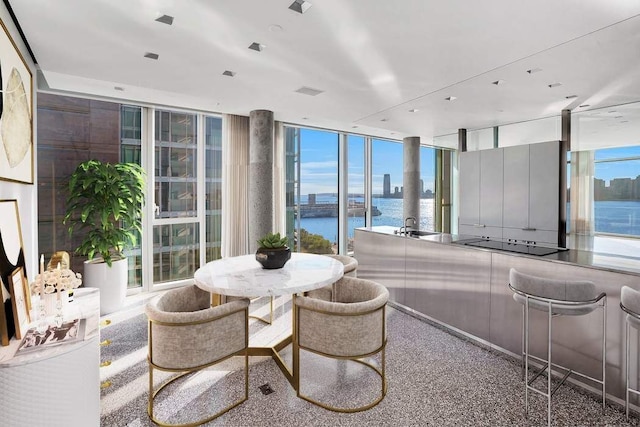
x=229, y=73
x=585, y=106
x=393, y=133
x=624, y=121
x=451, y=98
x=617, y=117
x=571, y=96
x=612, y=111
x=275, y=28
x=120, y=88
x=305, y=118
x=354, y=127
x=257, y=47
x=534, y=70
x=151, y=55
x=498, y=82
x=165, y=19
x=552, y=85
x=300, y=6
x=309, y=91
x=414, y=110
x=384, y=120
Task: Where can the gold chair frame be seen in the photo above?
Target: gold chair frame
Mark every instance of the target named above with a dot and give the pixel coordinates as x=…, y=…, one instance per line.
x=355, y=358
x=152, y=394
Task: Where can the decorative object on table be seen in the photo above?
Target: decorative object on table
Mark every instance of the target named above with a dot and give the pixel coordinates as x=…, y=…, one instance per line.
x=16, y=130
x=273, y=251
x=19, y=302
x=105, y=204
x=11, y=257
x=53, y=287
x=66, y=333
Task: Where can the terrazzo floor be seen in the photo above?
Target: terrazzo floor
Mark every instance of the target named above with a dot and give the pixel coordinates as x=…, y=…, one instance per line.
x=434, y=379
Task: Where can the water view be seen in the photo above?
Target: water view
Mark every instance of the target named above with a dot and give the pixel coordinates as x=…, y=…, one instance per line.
x=616, y=217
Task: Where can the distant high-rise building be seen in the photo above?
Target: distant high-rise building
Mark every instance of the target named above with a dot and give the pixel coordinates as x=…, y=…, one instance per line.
x=386, y=185
x=421, y=188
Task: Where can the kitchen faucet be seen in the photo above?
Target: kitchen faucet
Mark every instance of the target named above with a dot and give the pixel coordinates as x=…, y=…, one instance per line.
x=405, y=226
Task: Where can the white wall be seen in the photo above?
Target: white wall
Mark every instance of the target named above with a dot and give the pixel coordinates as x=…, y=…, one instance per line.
x=25, y=194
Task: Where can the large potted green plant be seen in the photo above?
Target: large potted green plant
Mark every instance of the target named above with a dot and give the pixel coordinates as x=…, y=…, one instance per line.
x=105, y=204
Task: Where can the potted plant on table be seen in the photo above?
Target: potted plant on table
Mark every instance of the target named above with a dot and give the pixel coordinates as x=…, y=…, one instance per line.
x=273, y=251
x=105, y=202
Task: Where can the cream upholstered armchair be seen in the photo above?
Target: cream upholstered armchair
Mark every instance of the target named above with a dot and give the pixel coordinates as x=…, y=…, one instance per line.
x=350, y=269
x=351, y=328
x=186, y=335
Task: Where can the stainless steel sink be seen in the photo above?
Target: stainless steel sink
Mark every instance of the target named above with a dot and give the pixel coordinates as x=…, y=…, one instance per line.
x=418, y=233
x=415, y=233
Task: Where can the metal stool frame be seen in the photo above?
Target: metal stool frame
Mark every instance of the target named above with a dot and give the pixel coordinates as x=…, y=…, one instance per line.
x=601, y=302
x=627, y=357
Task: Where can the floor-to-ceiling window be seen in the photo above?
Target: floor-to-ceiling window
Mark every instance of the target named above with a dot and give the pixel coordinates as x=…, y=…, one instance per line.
x=356, y=187
x=131, y=152
x=427, y=187
x=617, y=191
x=387, y=171
x=175, y=227
x=213, y=190
x=312, y=189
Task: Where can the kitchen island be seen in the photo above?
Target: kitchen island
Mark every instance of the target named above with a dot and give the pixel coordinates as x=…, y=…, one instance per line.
x=465, y=289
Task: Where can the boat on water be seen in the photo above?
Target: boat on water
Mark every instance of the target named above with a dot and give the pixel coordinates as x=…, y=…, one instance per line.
x=330, y=210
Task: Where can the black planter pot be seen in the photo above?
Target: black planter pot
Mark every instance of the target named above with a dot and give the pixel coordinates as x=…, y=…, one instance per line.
x=273, y=258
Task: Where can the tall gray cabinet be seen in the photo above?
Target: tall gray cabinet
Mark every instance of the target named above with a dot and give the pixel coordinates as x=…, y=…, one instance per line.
x=511, y=193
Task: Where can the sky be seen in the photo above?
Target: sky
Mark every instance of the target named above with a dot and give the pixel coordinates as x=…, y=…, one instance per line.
x=319, y=163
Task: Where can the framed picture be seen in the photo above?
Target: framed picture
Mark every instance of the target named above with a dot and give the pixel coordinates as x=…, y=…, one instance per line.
x=16, y=113
x=19, y=302
x=11, y=257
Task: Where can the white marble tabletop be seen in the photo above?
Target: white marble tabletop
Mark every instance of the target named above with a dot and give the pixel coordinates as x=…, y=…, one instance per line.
x=243, y=276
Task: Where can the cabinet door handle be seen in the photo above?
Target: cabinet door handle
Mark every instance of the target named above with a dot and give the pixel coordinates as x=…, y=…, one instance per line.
x=528, y=229
x=479, y=225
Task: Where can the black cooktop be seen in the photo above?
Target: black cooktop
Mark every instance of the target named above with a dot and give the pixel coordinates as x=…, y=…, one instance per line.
x=509, y=246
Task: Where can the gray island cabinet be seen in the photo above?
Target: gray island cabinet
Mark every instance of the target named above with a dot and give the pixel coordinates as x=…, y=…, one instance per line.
x=465, y=289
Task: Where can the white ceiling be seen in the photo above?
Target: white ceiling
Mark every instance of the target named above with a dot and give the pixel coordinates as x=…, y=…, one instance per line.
x=374, y=59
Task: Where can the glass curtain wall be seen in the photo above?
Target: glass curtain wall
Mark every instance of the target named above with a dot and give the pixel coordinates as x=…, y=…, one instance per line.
x=355, y=185
x=213, y=191
x=387, y=171
x=131, y=152
x=312, y=189
x=617, y=191
x=176, y=245
x=427, y=187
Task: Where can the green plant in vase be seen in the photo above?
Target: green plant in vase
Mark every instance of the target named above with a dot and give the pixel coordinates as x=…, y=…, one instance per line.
x=273, y=251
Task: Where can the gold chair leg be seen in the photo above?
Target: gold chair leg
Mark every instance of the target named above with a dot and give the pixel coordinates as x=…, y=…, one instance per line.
x=262, y=319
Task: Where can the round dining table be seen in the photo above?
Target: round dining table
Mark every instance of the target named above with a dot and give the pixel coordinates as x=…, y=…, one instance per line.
x=243, y=276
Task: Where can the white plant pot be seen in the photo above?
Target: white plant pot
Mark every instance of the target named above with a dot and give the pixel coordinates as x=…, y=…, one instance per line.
x=112, y=282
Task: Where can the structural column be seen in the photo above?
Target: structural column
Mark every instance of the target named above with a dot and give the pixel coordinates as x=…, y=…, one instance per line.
x=261, y=143
x=411, y=179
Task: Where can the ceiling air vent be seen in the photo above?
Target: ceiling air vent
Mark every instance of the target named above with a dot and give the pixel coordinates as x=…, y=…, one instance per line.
x=165, y=19
x=229, y=73
x=257, y=47
x=309, y=91
x=300, y=6
x=151, y=55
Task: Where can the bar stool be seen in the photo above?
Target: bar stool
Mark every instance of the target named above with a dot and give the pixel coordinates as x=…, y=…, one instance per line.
x=557, y=298
x=630, y=304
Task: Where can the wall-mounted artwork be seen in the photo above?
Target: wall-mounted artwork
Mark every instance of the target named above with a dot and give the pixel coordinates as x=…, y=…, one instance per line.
x=11, y=258
x=16, y=112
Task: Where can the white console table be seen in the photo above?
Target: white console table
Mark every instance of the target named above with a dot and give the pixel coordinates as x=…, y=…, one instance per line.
x=57, y=386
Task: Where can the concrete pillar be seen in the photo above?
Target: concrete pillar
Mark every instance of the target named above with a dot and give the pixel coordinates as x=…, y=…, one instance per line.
x=261, y=143
x=411, y=179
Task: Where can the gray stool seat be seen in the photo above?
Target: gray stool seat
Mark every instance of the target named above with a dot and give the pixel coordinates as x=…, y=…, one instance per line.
x=556, y=297
x=630, y=304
